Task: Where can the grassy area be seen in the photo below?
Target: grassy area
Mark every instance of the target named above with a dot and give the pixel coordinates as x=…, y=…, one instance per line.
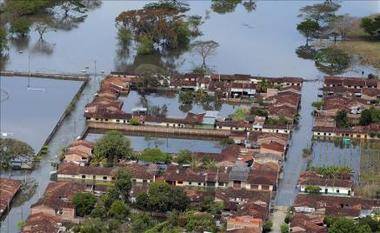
x=368, y=51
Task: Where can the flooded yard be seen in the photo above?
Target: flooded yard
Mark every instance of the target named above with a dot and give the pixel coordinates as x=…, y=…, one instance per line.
x=31, y=107
x=169, y=145
x=175, y=109
x=327, y=153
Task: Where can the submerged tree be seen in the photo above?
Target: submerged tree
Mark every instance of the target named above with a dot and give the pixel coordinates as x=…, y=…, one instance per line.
x=3, y=41
x=321, y=13
x=228, y=6
x=159, y=27
x=308, y=28
x=205, y=49
x=332, y=60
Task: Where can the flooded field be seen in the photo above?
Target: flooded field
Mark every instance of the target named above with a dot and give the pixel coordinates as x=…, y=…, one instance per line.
x=170, y=145
x=134, y=99
x=31, y=107
x=336, y=153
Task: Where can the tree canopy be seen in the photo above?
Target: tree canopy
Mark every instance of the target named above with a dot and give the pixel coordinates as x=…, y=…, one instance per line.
x=123, y=183
x=371, y=25
x=111, y=147
x=344, y=225
x=205, y=49
x=332, y=60
x=154, y=155
x=369, y=116
x=342, y=119
x=308, y=28
x=162, y=197
x=84, y=203
x=321, y=13
x=159, y=26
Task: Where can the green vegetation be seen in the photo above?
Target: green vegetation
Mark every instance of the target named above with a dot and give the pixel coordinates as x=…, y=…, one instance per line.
x=142, y=222
x=267, y=226
x=280, y=121
x=205, y=49
x=210, y=206
x=199, y=96
x=318, y=104
x=3, y=41
x=84, y=203
x=123, y=184
x=228, y=6
x=240, y=114
x=159, y=26
x=369, y=116
x=371, y=25
x=322, y=13
x=284, y=228
x=342, y=119
x=200, y=222
x=162, y=197
x=12, y=148
x=134, y=121
x=154, y=155
x=183, y=157
x=111, y=147
x=259, y=112
x=226, y=141
x=332, y=60
x=332, y=171
x=20, y=27
x=345, y=225
x=118, y=210
x=312, y=189
x=308, y=28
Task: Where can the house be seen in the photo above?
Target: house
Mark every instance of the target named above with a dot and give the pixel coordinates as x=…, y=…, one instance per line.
x=22, y=162
x=87, y=174
x=43, y=223
x=246, y=223
x=273, y=147
x=335, y=205
x=238, y=175
x=57, y=201
x=79, y=152
x=342, y=185
x=304, y=223
x=8, y=190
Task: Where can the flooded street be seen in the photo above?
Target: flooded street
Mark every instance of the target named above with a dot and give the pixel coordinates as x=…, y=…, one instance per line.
x=301, y=139
x=248, y=44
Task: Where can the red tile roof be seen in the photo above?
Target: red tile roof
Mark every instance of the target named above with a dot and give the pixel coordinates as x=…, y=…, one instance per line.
x=8, y=189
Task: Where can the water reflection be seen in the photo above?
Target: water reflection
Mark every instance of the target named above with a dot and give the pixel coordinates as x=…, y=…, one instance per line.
x=170, y=145
x=174, y=107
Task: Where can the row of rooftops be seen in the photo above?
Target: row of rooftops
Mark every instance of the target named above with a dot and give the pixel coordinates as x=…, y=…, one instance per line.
x=350, y=94
x=8, y=189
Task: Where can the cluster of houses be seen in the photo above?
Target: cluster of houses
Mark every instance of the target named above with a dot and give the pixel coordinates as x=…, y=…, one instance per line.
x=246, y=174
x=245, y=180
x=276, y=99
x=352, y=95
x=326, y=195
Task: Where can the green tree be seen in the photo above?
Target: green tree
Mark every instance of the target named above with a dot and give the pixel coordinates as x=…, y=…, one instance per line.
x=267, y=226
x=308, y=28
x=205, y=49
x=112, y=146
x=371, y=25
x=20, y=27
x=3, y=40
x=210, y=206
x=200, y=222
x=344, y=225
x=154, y=155
x=371, y=222
x=321, y=13
x=332, y=60
x=162, y=197
x=369, y=116
x=160, y=26
x=141, y=222
x=84, y=203
x=119, y=210
x=312, y=189
x=342, y=119
x=284, y=228
x=186, y=97
x=184, y=157
x=123, y=183
x=91, y=225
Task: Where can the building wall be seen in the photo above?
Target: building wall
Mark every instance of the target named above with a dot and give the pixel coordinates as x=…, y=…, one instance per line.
x=331, y=190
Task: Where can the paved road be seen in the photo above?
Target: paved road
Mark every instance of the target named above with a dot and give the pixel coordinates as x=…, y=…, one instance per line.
x=301, y=139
